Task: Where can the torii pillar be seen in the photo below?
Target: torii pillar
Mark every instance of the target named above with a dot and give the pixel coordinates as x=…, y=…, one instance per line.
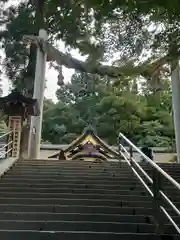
x=175, y=79
x=39, y=87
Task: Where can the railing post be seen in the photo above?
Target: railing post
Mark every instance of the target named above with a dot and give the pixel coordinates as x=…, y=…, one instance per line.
x=6, y=148
x=119, y=149
x=157, y=186
x=131, y=154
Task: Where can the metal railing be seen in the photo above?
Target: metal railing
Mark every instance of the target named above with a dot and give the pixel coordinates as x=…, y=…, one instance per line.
x=6, y=145
x=155, y=183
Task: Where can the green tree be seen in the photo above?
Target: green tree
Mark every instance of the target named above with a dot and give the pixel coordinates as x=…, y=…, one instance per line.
x=143, y=116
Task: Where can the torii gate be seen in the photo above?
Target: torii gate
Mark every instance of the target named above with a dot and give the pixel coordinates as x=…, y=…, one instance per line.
x=47, y=50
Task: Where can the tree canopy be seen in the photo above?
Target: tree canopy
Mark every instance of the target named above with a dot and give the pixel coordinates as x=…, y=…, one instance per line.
x=121, y=40
x=122, y=32
x=144, y=116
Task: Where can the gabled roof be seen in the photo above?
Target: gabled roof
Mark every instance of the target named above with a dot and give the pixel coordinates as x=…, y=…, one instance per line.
x=89, y=135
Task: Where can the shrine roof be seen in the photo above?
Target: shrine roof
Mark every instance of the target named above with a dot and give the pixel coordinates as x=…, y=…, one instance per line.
x=15, y=98
x=96, y=145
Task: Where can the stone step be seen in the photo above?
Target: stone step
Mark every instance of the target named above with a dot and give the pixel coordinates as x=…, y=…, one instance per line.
x=72, y=170
x=62, y=173
x=71, y=176
x=72, y=184
x=70, y=164
x=172, y=170
x=80, y=235
x=171, y=173
x=55, y=191
x=74, y=189
x=163, y=165
x=175, y=170
x=150, y=173
x=84, y=176
x=78, y=226
x=168, y=170
x=83, y=226
x=78, y=184
x=92, y=217
x=73, y=162
x=76, y=161
x=75, y=208
x=85, y=180
x=73, y=195
x=70, y=167
x=79, y=201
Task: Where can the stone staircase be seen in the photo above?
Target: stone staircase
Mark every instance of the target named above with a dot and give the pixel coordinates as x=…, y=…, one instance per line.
x=49, y=199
